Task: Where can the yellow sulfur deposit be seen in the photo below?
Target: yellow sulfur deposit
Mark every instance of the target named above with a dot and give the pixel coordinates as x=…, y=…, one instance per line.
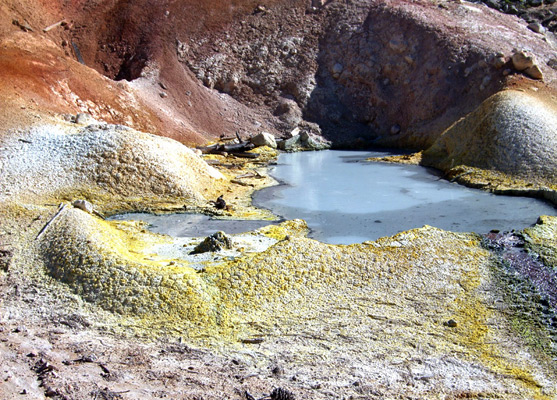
x=375, y=302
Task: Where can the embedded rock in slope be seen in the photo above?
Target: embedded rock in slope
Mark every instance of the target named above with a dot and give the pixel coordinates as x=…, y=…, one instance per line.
x=513, y=132
x=107, y=161
x=524, y=62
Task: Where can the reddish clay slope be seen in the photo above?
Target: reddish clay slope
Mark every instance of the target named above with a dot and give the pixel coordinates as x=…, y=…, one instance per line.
x=40, y=73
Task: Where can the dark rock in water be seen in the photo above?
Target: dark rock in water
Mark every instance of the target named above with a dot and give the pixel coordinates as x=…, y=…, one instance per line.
x=216, y=242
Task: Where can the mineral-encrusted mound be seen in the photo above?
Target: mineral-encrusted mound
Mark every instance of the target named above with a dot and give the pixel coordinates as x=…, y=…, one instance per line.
x=216, y=242
x=513, y=132
x=359, y=310
x=107, y=267
x=101, y=160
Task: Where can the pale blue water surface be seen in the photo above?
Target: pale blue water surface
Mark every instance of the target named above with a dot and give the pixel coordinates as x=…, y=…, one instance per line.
x=346, y=200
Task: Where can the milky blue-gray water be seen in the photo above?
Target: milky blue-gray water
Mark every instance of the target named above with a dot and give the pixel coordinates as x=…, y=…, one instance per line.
x=346, y=200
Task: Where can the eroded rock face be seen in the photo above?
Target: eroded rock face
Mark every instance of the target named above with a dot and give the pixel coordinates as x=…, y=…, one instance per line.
x=406, y=78
x=512, y=132
x=387, y=72
x=392, y=71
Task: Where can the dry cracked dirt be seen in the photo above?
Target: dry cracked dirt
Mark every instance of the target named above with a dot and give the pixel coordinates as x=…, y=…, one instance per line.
x=102, y=106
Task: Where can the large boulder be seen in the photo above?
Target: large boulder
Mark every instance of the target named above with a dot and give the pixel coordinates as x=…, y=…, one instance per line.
x=264, y=139
x=513, y=132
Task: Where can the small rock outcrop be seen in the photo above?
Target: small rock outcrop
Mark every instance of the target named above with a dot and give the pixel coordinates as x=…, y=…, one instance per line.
x=216, y=242
x=304, y=140
x=513, y=132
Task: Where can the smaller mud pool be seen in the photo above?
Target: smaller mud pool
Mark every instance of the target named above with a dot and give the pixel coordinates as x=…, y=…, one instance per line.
x=345, y=199
x=191, y=225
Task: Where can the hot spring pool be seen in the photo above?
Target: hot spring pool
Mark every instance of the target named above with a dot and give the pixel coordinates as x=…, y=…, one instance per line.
x=345, y=199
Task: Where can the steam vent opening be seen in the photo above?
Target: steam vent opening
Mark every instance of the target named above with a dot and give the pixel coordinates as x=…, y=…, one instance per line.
x=131, y=67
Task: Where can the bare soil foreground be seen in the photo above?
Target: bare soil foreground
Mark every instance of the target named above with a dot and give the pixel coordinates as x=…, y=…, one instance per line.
x=102, y=104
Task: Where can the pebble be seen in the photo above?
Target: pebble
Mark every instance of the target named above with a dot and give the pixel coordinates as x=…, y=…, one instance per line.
x=499, y=61
x=337, y=70
x=451, y=323
x=83, y=205
x=84, y=119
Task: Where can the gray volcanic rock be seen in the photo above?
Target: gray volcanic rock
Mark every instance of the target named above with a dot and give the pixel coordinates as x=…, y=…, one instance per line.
x=264, y=139
x=512, y=132
x=216, y=242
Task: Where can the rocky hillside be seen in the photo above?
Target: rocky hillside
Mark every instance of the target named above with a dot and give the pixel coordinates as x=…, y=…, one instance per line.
x=389, y=72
